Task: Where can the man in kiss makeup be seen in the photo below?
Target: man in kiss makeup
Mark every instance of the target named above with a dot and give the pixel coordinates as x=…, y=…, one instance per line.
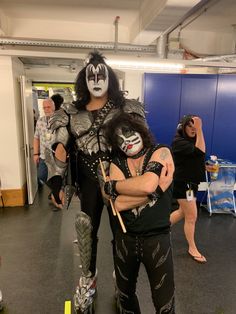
x=140, y=187
x=79, y=129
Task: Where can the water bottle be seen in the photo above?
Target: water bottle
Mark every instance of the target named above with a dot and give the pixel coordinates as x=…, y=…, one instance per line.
x=215, y=168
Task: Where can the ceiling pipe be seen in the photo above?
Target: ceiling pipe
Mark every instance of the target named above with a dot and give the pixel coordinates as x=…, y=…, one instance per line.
x=116, y=22
x=162, y=47
x=189, y=17
x=10, y=41
x=217, y=58
x=198, y=9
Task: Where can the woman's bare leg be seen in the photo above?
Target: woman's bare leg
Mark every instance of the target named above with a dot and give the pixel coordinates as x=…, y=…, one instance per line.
x=189, y=209
x=176, y=216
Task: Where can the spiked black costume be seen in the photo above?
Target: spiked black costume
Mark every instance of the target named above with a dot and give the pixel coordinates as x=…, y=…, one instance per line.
x=85, y=127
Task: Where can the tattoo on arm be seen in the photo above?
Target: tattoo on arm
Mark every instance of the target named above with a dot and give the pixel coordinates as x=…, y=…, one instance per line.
x=164, y=154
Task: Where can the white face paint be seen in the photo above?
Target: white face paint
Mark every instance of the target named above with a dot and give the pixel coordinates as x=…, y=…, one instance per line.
x=130, y=142
x=97, y=79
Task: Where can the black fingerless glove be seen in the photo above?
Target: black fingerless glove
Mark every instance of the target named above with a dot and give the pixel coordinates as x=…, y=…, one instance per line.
x=55, y=184
x=155, y=167
x=110, y=189
x=156, y=195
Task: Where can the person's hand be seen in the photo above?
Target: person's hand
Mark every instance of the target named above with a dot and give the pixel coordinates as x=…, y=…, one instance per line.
x=197, y=123
x=166, y=176
x=110, y=189
x=36, y=159
x=61, y=197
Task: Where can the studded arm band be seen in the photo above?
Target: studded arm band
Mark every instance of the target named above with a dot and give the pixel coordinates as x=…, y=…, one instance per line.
x=110, y=189
x=155, y=167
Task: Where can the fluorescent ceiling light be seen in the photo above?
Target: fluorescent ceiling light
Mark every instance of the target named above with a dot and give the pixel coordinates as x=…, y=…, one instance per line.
x=144, y=65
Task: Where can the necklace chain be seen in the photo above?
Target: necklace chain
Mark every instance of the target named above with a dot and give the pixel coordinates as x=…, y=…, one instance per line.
x=138, y=168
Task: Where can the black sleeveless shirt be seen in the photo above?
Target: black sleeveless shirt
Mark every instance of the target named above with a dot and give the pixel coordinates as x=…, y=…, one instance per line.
x=153, y=217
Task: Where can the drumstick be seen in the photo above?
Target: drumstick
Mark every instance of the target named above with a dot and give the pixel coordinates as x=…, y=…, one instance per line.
x=115, y=212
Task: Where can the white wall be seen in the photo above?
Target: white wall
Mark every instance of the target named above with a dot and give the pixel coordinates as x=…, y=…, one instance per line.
x=71, y=30
x=133, y=84
x=11, y=157
x=51, y=74
x=208, y=42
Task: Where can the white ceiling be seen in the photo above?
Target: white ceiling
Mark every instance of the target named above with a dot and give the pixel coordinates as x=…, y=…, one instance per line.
x=206, y=32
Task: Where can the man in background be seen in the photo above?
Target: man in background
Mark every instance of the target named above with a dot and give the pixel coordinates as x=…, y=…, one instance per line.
x=43, y=137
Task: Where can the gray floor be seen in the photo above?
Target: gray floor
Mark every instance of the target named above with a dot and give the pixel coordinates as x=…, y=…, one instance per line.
x=40, y=263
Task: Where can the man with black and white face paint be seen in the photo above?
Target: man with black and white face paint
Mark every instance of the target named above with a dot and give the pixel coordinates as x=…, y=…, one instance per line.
x=99, y=98
x=97, y=79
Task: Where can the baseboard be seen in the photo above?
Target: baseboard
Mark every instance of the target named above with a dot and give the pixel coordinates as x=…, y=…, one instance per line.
x=14, y=197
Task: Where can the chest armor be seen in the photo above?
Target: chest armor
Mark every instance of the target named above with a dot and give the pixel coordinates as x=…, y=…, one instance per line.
x=88, y=132
x=88, y=140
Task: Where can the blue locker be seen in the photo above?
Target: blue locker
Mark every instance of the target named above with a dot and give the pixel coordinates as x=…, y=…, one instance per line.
x=223, y=144
x=198, y=96
x=162, y=100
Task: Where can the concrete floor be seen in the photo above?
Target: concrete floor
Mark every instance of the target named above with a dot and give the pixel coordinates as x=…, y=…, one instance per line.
x=40, y=263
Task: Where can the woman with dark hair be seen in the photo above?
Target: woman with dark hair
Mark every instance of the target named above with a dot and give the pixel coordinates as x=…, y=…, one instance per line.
x=189, y=156
x=140, y=187
x=99, y=98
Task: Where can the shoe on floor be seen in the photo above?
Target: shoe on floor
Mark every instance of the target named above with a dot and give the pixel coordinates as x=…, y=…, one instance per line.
x=198, y=258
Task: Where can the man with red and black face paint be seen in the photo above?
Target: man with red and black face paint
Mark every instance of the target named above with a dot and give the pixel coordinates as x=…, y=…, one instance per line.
x=79, y=129
x=130, y=142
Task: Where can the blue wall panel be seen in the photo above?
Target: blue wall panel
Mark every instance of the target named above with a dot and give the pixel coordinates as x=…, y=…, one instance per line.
x=198, y=96
x=224, y=144
x=212, y=97
x=162, y=100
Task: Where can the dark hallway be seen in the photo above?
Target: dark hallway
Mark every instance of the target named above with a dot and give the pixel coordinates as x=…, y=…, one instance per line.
x=40, y=263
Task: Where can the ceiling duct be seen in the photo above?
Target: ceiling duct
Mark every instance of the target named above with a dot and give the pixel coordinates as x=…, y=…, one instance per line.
x=162, y=47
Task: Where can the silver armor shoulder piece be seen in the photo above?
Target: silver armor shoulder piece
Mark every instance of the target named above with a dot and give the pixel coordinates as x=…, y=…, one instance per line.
x=69, y=108
x=59, y=119
x=134, y=106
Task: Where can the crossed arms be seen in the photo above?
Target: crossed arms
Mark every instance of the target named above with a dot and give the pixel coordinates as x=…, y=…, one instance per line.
x=135, y=191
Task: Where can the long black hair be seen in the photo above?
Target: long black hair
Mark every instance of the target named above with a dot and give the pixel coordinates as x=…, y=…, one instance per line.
x=133, y=123
x=81, y=89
